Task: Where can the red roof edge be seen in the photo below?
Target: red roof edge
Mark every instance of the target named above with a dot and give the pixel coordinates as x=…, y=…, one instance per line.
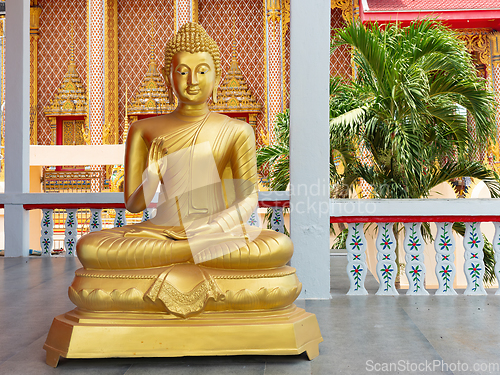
x=456, y=19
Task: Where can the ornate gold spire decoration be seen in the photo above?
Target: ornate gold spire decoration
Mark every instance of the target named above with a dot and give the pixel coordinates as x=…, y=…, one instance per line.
x=35, y=12
x=233, y=94
x=71, y=98
x=152, y=97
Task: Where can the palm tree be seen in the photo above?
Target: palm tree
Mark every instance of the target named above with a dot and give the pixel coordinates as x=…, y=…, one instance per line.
x=404, y=108
x=275, y=157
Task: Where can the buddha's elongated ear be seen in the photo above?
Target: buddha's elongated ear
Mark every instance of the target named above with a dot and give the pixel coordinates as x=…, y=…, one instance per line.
x=214, y=91
x=170, y=94
x=167, y=85
x=163, y=72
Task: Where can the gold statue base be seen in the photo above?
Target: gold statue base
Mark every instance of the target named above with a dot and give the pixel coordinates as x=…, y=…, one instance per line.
x=84, y=334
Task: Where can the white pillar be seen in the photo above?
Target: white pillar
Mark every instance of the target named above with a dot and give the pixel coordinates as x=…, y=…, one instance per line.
x=309, y=144
x=17, y=124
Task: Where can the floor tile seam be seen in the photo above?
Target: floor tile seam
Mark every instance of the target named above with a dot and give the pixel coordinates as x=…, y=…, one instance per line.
x=128, y=368
x=428, y=328
x=17, y=265
x=53, y=278
x=31, y=289
x=23, y=347
x=421, y=332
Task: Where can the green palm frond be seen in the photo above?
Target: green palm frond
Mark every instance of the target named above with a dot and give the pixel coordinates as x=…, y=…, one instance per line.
x=402, y=109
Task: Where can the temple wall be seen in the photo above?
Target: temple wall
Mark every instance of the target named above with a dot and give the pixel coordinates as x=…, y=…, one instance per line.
x=217, y=18
x=53, y=52
x=134, y=28
x=340, y=59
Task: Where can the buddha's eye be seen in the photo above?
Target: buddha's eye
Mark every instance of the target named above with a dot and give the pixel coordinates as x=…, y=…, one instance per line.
x=203, y=69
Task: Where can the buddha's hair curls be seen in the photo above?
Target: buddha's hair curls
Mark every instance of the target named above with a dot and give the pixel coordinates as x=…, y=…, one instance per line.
x=192, y=38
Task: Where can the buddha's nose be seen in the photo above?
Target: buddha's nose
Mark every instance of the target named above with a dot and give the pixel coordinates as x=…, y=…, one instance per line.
x=193, y=78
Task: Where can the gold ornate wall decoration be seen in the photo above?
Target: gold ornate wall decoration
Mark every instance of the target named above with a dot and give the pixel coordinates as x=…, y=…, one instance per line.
x=53, y=53
x=356, y=9
x=477, y=40
x=487, y=47
x=494, y=39
x=273, y=13
x=111, y=72
x=53, y=129
x=106, y=130
x=495, y=48
x=152, y=98
x=233, y=95
x=285, y=14
x=34, y=35
x=347, y=8
x=86, y=132
x=263, y=136
x=71, y=98
x=72, y=132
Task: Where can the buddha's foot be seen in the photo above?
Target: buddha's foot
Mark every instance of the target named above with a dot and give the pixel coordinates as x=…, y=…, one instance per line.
x=80, y=334
x=184, y=289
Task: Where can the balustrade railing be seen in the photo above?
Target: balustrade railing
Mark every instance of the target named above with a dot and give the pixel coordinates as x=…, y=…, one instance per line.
x=410, y=214
x=98, y=202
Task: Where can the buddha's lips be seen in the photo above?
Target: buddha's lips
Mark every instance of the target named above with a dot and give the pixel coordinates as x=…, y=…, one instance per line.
x=193, y=90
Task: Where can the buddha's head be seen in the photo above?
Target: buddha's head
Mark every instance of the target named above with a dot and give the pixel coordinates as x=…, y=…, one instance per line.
x=192, y=65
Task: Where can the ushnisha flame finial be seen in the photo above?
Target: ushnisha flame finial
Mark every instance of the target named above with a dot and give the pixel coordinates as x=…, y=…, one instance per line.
x=152, y=42
x=72, y=44
x=233, y=53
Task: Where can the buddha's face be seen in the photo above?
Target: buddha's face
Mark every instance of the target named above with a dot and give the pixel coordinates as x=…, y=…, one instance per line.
x=192, y=77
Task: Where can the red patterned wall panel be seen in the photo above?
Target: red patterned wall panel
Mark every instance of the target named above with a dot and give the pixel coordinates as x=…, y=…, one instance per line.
x=340, y=59
x=217, y=18
x=134, y=27
x=53, y=52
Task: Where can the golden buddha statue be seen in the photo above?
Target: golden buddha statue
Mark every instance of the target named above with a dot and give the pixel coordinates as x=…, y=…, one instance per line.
x=192, y=270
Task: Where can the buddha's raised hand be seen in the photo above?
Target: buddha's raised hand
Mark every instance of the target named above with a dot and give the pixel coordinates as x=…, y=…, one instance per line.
x=157, y=157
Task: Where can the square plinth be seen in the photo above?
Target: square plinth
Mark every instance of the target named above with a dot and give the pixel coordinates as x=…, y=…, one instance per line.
x=80, y=334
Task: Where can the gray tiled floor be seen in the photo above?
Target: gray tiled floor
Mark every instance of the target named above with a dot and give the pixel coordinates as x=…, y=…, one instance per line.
x=359, y=332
